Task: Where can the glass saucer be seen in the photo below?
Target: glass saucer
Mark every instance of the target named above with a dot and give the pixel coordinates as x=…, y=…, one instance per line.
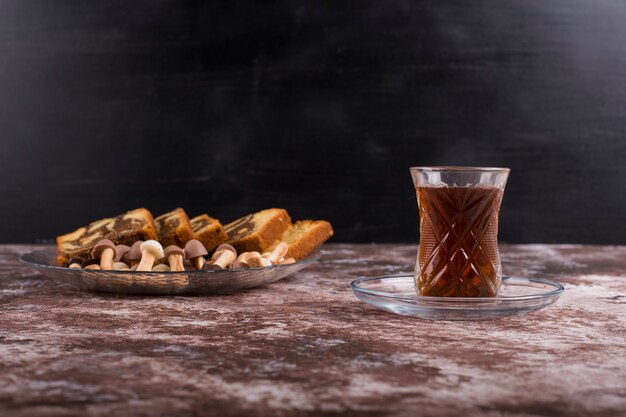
x=396, y=294
x=167, y=283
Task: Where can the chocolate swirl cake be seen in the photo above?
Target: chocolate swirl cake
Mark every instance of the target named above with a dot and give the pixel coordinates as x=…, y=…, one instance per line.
x=124, y=229
x=304, y=236
x=209, y=231
x=258, y=231
x=173, y=228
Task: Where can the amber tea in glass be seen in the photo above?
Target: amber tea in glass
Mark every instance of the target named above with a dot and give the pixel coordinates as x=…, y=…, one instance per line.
x=458, y=211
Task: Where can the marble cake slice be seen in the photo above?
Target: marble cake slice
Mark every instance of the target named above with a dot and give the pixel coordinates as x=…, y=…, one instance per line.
x=124, y=229
x=173, y=228
x=304, y=236
x=258, y=231
x=209, y=231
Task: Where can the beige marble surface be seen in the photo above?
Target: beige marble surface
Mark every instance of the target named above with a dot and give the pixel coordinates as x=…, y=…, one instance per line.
x=306, y=346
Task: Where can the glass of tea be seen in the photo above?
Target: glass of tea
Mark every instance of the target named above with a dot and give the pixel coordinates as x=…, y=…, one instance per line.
x=458, y=210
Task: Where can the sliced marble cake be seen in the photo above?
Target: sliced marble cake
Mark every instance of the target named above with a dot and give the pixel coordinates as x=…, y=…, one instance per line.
x=258, y=231
x=173, y=228
x=209, y=231
x=303, y=237
x=124, y=229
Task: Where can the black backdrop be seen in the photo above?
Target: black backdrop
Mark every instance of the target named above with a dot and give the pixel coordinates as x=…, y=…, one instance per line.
x=230, y=107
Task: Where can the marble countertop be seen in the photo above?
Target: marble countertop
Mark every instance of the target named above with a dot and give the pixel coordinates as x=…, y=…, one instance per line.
x=307, y=346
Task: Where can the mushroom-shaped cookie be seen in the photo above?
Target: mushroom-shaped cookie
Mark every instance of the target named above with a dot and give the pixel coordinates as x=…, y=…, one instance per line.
x=120, y=252
x=195, y=252
x=105, y=251
x=151, y=250
x=278, y=253
x=174, y=256
x=254, y=259
x=221, y=248
x=75, y=262
x=224, y=255
x=240, y=263
x=287, y=261
x=133, y=256
x=120, y=266
x=161, y=268
x=91, y=264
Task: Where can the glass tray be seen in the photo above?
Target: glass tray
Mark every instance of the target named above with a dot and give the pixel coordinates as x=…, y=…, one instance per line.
x=396, y=294
x=167, y=283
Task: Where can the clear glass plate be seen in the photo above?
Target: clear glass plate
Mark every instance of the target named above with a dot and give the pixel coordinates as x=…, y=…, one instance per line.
x=169, y=283
x=396, y=293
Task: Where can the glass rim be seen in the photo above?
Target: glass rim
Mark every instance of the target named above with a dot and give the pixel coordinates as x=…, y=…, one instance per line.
x=459, y=168
x=556, y=288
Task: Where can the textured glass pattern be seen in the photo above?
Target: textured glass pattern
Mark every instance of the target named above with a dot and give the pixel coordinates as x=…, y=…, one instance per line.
x=458, y=254
x=171, y=283
x=396, y=294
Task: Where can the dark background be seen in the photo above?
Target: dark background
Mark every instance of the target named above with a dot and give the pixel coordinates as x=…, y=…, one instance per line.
x=231, y=107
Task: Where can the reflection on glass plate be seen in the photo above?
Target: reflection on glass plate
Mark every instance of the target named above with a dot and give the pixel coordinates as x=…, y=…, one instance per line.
x=169, y=283
x=396, y=293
